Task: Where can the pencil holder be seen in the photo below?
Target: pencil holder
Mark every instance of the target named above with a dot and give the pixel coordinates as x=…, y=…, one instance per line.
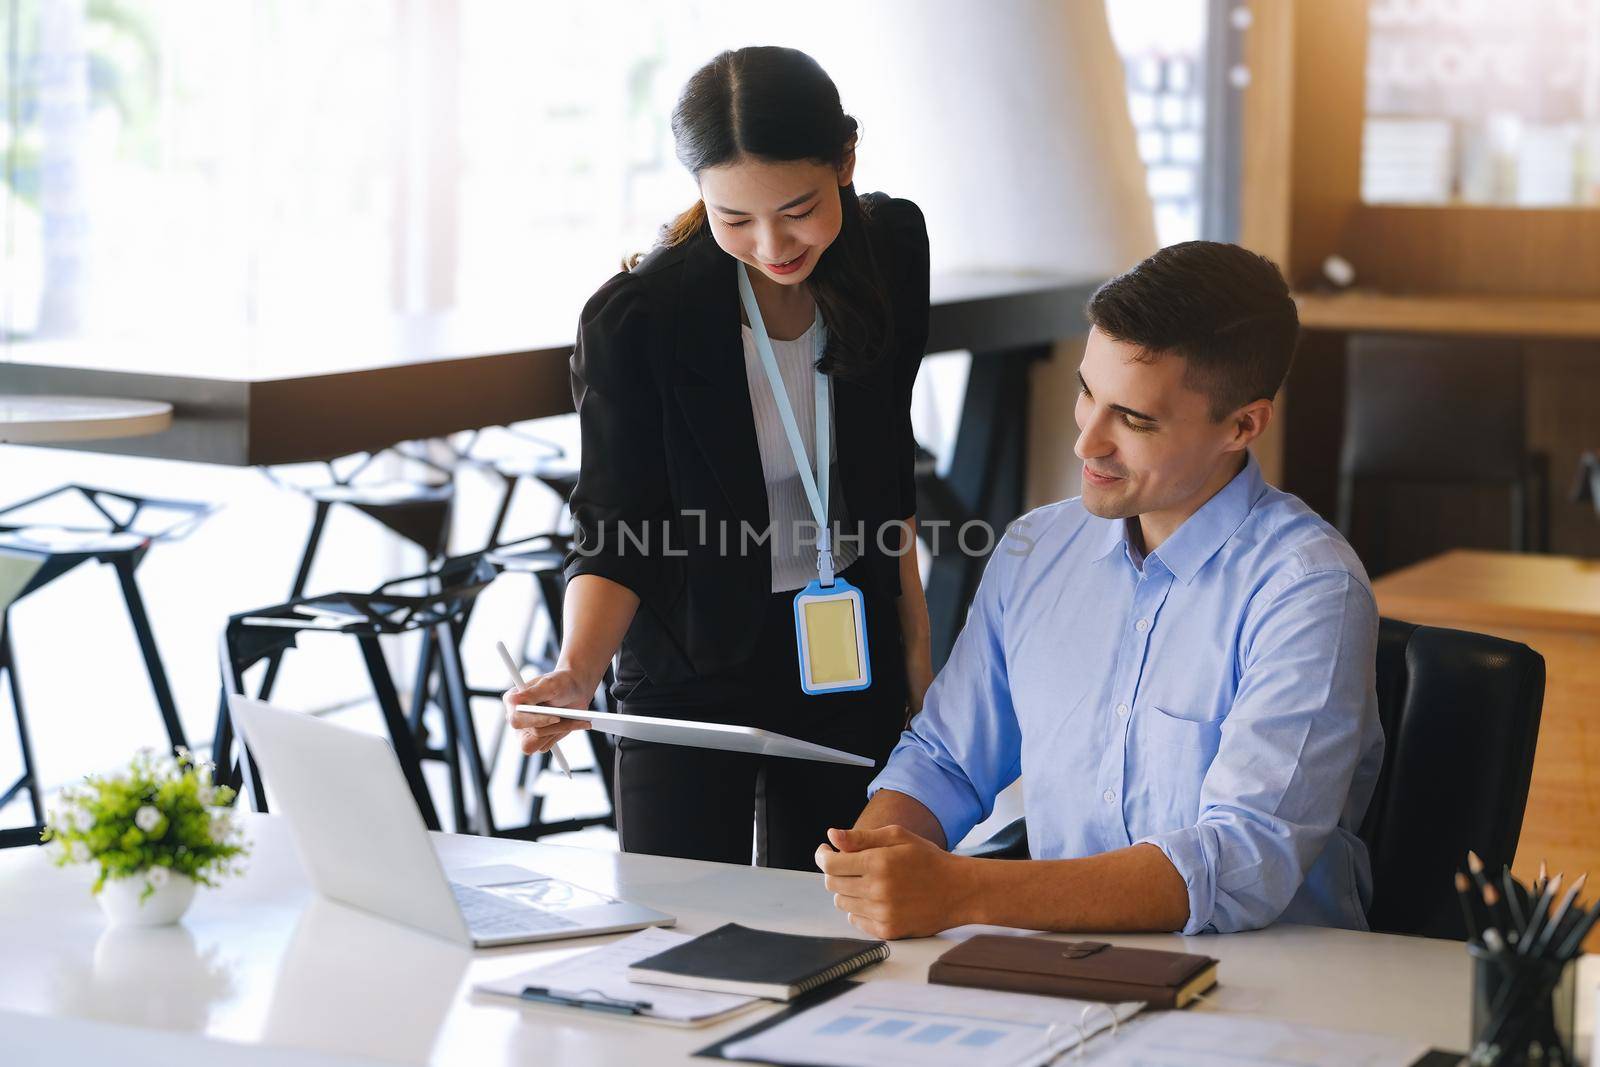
x=1522, y=1010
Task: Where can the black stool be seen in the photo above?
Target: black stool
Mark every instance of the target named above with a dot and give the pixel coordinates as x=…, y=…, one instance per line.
x=32, y=555
x=1438, y=411
x=417, y=509
x=434, y=603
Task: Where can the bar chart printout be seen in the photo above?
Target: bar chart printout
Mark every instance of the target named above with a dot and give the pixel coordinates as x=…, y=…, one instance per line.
x=911, y=1024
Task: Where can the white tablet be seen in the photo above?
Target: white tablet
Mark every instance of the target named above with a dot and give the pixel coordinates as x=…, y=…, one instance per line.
x=704, y=735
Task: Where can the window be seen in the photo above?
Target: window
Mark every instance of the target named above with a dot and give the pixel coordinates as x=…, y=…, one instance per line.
x=1162, y=43
x=196, y=168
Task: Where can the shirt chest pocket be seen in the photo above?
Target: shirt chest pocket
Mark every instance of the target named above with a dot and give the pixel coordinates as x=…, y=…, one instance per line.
x=1168, y=757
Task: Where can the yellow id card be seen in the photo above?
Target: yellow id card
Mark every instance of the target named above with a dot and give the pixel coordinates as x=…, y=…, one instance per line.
x=831, y=635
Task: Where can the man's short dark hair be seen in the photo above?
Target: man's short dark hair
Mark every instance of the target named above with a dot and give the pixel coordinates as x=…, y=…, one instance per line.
x=1224, y=309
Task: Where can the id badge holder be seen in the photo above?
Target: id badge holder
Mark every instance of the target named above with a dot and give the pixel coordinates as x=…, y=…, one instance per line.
x=830, y=625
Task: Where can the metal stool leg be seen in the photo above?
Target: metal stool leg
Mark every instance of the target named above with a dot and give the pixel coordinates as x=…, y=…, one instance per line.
x=419, y=688
x=251, y=776
x=242, y=774
x=30, y=776
x=399, y=731
x=507, y=491
x=455, y=687
x=222, y=744
x=301, y=576
x=452, y=749
x=124, y=566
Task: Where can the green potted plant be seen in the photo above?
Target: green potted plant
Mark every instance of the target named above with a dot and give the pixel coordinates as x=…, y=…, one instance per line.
x=157, y=830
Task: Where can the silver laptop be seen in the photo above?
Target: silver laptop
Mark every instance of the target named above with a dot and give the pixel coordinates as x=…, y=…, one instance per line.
x=363, y=843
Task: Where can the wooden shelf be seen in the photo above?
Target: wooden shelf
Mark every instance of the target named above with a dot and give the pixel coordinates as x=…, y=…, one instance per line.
x=1510, y=316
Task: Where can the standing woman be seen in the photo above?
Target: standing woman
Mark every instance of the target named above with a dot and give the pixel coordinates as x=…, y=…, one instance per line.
x=779, y=312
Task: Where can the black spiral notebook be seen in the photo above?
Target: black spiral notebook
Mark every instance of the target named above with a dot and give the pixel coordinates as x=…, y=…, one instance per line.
x=758, y=963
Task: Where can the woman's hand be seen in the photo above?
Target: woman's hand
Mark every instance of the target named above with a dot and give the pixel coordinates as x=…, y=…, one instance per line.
x=561, y=688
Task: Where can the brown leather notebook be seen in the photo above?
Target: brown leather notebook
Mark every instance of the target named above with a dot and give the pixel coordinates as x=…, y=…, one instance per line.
x=1087, y=970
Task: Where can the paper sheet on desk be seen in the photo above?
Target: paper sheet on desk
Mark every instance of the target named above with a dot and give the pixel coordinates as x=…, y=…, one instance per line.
x=912, y=1024
x=602, y=973
x=1215, y=1039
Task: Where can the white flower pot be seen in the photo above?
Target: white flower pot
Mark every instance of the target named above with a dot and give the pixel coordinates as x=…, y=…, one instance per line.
x=119, y=899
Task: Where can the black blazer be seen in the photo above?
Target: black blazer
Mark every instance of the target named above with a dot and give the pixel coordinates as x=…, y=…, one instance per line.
x=658, y=379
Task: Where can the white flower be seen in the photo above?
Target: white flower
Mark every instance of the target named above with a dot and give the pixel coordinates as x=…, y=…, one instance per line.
x=147, y=819
x=158, y=876
x=208, y=795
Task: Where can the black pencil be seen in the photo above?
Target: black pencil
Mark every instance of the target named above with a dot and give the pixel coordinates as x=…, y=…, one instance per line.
x=1574, y=942
x=1464, y=892
x=1491, y=905
x=1513, y=902
x=1559, y=914
x=1540, y=907
x=1475, y=868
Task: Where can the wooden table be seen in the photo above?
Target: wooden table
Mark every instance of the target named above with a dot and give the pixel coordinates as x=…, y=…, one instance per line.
x=1552, y=605
x=262, y=973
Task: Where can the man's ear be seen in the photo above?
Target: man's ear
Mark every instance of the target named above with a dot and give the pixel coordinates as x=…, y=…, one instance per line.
x=1249, y=423
x=847, y=169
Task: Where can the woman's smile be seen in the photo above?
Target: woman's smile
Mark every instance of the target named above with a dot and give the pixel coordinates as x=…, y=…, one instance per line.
x=789, y=266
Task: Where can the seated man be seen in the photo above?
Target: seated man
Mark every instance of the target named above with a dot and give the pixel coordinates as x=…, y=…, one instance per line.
x=1179, y=663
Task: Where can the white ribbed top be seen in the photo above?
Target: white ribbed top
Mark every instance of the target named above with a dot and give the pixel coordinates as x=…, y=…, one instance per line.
x=793, y=563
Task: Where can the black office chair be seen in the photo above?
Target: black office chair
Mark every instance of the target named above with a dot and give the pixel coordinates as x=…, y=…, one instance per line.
x=1460, y=714
x=1425, y=411
x=1460, y=718
x=1586, y=483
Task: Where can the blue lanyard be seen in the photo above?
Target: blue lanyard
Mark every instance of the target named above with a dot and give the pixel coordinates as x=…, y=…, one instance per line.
x=816, y=487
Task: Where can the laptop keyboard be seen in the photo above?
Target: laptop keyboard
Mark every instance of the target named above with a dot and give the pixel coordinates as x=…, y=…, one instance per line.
x=489, y=915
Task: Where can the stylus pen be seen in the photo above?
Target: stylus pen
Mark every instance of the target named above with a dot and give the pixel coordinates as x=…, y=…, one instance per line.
x=604, y=1003
x=516, y=682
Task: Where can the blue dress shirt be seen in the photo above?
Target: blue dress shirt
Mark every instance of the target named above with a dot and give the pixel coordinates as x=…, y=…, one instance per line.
x=1216, y=699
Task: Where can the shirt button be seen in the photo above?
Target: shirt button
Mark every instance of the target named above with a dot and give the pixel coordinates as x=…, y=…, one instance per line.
x=1122, y=710
x=1109, y=795
x=1142, y=625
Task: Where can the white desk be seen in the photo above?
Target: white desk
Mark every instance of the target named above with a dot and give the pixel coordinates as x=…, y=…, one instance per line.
x=259, y=962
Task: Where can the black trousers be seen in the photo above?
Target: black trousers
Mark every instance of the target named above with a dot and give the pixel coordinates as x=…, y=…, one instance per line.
x=713, y=805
